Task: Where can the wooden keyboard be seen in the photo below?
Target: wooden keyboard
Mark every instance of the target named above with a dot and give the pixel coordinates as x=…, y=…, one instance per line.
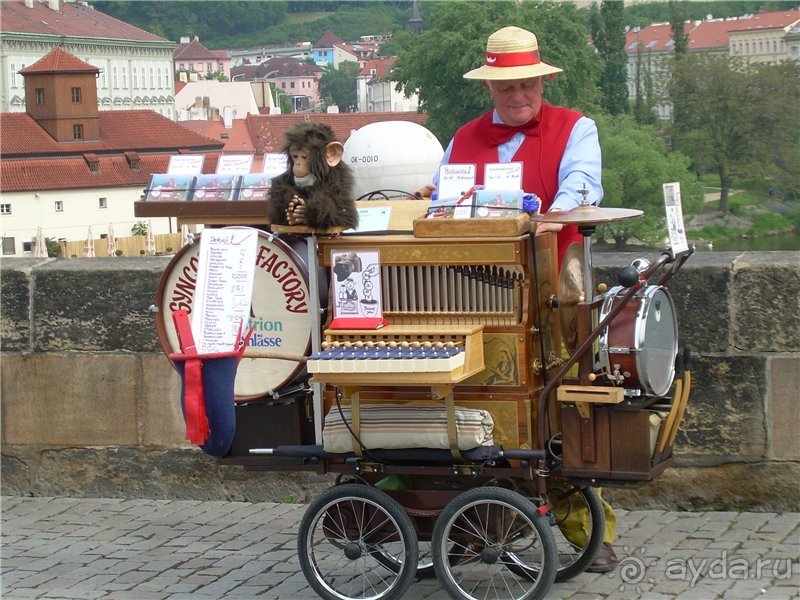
x=399, y=355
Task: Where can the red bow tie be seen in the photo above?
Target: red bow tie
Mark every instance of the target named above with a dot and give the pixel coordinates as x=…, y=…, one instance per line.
x=498, y=133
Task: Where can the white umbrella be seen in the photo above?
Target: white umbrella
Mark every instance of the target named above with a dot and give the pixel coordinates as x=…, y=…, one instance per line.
x=88, y=245
x=40, y=251
x=112, y=241
x=150, y=241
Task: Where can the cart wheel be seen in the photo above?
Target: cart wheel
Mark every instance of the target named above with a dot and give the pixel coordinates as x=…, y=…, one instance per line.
x=345, y=538
x=506, y=547
x=580, y=526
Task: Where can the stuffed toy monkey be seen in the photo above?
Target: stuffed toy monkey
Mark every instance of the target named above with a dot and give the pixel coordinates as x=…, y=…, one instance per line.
x=317, y=188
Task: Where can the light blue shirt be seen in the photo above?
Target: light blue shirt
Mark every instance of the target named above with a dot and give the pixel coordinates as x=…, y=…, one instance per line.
x=581, y=164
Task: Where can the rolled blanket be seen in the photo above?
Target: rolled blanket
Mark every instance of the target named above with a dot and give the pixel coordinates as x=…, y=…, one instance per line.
x=396, y=426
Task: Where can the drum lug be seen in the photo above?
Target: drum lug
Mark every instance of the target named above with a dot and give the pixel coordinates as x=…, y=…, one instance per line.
x=537, y=366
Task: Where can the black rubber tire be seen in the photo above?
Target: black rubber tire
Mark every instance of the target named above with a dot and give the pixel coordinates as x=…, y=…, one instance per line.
x=472, y=520
x=344, y=530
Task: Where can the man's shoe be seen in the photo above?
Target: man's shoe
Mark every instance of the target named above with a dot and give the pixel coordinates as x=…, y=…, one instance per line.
x=606, y=560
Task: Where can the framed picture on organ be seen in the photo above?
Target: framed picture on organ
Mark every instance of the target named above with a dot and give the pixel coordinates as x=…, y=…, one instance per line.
x=356, y=277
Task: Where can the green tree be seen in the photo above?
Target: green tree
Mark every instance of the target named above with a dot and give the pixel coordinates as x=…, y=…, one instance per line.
x=218, y=75
x=636, y=163
x=739, y=120
x=644, y=104
x=434, y=62
x=608, y=33
x=338, y=86
x=139, y=228
x=677, y=17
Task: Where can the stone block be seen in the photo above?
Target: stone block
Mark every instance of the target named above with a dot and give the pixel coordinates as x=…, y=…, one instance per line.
x=100, y=304
x=784, y=407
x=70, y=399
x=701, y=283
x=766, y=302
x=725, y=413
x=15, y=318
x=162, y=419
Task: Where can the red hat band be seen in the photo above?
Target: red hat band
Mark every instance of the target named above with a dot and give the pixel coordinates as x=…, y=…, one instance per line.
x=512, y=59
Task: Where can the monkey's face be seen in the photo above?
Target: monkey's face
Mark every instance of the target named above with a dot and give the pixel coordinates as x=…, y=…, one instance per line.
x=301, y=165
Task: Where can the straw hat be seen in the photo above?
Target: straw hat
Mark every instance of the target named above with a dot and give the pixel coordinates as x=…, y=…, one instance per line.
x=512, y=53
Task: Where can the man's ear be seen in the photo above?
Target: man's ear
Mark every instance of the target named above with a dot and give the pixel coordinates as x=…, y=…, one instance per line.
x=333, y=153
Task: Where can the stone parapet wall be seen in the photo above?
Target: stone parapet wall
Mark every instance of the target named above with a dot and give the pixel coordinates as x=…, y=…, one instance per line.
x=90, y=404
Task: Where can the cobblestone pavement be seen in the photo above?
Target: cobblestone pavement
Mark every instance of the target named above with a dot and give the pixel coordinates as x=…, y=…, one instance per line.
x=171, y=549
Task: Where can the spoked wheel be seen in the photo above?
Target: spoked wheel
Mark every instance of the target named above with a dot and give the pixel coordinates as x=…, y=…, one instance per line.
x=491, y=543
x=346, y=538
x=580, y=526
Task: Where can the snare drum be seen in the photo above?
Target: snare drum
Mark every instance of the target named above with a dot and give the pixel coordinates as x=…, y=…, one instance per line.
x=280, y=311
x=641, y=342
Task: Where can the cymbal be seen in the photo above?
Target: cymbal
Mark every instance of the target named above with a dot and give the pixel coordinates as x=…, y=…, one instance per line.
x=588, y=214
x=570, y=292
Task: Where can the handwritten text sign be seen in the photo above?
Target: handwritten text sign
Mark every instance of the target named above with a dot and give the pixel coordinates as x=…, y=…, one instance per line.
x=185, y=164
x=234, y=164
x=224, y=287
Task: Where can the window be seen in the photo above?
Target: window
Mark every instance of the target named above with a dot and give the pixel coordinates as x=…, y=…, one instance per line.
x=58, y=205
x=152, y=79
x=40, y=96
x=9, y=247
x=291, y=85
x=219, y=67
x=77, y=132
x=114, y=81
x=125, y=77
x=13, y=75
x=76, y=95
x=209, y=67
x=27, y=246
x=135, y=78
x=5, y=209
x=183, y=66
x=102, y=203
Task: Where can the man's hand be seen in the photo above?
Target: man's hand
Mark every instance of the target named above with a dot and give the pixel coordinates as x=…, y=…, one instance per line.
x=423, y=193
x=546, y=227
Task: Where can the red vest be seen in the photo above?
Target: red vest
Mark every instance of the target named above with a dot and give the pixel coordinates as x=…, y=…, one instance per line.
x=540, y=169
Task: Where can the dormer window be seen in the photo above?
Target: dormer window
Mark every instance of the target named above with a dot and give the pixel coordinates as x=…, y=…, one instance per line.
x=133, y=160
x=93, y=161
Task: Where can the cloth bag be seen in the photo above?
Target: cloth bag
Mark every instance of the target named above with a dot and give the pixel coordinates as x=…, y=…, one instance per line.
x=207, y=398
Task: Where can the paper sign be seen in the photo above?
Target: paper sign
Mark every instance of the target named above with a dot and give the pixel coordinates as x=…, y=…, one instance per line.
x=677, y=232
x=455, y=180
x=274, y=164
x=356, y=282
x=234, y=164
x=225, y=273
x=372, y=219
x=503, y=176
x=185, y=164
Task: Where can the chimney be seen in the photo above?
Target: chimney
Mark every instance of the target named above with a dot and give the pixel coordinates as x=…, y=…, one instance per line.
x=29, y=3
x=53, y=4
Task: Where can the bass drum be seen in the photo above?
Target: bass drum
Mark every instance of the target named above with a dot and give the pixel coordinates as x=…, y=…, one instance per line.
x=642, y=340
x=279, y=311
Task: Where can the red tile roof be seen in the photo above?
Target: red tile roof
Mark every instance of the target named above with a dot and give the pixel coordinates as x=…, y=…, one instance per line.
x=238, y=138
x=768, y=20
x=708, y=34
x=194, y=50
x=32, y=160
x=268, y=130
x=327, y=40
x=382, y=66
x=73, y=19
x=120, y=130
x=283, y=66
x=59, y=60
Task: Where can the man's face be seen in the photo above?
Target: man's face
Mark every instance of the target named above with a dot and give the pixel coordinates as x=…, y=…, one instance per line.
x=517, y=100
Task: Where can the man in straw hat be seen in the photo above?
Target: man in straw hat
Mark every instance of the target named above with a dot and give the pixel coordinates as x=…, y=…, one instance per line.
x=557, y=146
x=559, y=150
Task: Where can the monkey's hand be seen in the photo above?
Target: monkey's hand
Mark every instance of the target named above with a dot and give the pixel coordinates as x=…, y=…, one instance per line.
x=296, y=211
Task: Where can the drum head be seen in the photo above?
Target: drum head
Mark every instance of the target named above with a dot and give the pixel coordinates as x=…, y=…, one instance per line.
x=279, y=311
x=659, y=341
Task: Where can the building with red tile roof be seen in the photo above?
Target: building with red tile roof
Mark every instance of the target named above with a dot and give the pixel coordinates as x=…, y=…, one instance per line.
x=762, y=37
x=52, y=178
x=135, y=66
x=196, y=61
x=376, y=93
x=299, y=80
